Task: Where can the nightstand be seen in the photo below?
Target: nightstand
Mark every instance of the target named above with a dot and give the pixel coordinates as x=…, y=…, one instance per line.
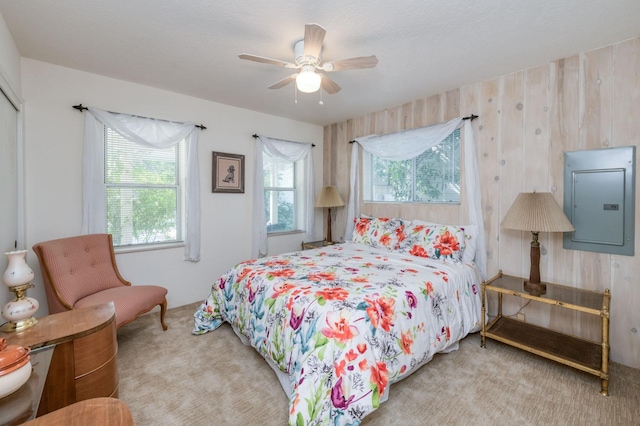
x=84, y=363
x=316, y=244
x=582, y=354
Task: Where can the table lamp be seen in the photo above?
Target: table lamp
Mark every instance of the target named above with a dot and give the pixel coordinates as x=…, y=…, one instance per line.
x=536, y=212
x=329, y=197
x=19, y=311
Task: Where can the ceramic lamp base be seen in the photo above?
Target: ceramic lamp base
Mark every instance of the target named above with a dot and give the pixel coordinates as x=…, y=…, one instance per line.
x=13, y=326
x=19, y=313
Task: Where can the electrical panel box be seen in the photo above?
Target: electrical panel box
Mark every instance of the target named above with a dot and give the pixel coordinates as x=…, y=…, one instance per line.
x=599, y=200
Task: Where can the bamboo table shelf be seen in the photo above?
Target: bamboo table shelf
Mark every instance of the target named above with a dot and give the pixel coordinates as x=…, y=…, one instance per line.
x=315, y=244
x=575, y=352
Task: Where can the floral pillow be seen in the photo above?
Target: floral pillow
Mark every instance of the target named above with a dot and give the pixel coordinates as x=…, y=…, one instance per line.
x=435, y=241
x=383, y=232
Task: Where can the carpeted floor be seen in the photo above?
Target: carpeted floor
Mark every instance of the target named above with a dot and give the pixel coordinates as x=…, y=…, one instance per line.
x=176, y=378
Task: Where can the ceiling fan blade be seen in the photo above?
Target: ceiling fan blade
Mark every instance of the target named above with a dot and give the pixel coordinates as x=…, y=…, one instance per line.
x=313, y=38
x=351, y=64
x=281, y=83
x=264, y=60
x=329, y=85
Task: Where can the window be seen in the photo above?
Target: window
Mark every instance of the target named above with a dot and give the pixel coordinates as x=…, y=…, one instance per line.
x=432, y=177
x=283, y=194
x=144, y=194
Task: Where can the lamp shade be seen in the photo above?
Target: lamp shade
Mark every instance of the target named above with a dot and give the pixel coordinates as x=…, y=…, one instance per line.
x=17, y=272
x=308, y=80
x=536, y=212
x=329, y=197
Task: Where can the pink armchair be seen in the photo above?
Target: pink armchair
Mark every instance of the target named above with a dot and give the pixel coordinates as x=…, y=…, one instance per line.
x=81, y=271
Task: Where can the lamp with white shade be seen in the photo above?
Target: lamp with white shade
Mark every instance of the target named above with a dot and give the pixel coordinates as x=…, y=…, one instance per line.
x=329, y=197
x=536, y=212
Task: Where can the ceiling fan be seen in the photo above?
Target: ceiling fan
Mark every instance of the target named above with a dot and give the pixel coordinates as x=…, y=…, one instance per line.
x=307, y=61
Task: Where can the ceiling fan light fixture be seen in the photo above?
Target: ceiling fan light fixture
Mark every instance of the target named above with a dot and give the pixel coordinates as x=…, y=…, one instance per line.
x=307, y=56
x=308, y=81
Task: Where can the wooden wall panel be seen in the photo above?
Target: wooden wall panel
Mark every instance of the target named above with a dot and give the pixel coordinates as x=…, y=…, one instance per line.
x=536, y=143
x=512, y=244
x=564, y=101
x=535, y=175
x=527, y=121
x=488, y=146
x=625, y=285
x=595, y=131
x=469, y=104
x=434, y=111
x=563, y=121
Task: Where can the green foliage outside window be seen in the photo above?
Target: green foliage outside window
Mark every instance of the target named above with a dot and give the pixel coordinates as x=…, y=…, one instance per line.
x=142, y=193
x=433, y=176
x=279, y=194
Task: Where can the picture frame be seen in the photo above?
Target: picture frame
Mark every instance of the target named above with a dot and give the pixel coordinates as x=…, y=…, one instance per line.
x=228, y=173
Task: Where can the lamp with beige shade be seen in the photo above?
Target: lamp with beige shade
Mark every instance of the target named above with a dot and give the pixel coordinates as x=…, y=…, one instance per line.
x=536, y=212
x=329, y=197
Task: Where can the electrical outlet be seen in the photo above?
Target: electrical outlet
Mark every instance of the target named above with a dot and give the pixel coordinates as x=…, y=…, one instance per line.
x=521, y=316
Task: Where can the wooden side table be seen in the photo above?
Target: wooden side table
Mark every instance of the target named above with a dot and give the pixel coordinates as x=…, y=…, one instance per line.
x=84, y=362
x=96, y=411
x=584, y=355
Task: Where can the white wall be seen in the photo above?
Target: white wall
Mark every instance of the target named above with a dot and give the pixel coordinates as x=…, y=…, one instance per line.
x=53, y=140
x=10, y=187
x=9, y=58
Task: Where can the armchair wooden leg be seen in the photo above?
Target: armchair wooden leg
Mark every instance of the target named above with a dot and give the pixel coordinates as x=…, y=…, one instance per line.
x=163, y=310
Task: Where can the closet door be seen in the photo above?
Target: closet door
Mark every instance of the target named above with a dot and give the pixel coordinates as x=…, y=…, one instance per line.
x=8, y=183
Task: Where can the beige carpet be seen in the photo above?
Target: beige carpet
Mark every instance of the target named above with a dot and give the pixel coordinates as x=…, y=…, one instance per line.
x=175, y=378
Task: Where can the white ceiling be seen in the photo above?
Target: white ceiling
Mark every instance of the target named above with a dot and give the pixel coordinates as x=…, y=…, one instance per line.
x=424, y=47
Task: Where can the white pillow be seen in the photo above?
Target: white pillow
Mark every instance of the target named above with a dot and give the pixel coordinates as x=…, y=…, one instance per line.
x=470, y=238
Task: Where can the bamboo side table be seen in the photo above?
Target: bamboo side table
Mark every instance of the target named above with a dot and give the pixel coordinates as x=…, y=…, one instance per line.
x=582, y=354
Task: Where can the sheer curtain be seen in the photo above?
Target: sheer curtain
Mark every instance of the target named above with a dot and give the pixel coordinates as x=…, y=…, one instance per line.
x=290, y=151
x=151, y=133
x=409, y=144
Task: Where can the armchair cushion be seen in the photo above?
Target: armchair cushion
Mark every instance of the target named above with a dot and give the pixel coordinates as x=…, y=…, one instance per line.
x=130, y=302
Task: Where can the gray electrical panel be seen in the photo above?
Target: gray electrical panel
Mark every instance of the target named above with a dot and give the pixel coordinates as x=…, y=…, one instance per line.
x=599, y=200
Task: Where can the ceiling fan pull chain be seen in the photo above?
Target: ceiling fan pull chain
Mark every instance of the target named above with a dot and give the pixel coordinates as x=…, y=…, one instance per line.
x=295, y=91
x=321, y=101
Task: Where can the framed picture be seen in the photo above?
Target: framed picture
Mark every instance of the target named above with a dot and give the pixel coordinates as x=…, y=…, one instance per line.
x=228, y=172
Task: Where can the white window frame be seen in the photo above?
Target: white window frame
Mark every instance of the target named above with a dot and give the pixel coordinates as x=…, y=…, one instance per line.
x=298, y=196
x=178, y=185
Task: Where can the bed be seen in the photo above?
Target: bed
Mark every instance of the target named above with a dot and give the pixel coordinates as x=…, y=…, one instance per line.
x=340, y=324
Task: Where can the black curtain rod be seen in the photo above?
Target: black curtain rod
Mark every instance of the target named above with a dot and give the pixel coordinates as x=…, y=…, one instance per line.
x=255, y=136
x=471, y=117
x=81, y=108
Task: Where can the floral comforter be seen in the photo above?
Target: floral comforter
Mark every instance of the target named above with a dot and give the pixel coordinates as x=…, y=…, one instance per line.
x=345, y=321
